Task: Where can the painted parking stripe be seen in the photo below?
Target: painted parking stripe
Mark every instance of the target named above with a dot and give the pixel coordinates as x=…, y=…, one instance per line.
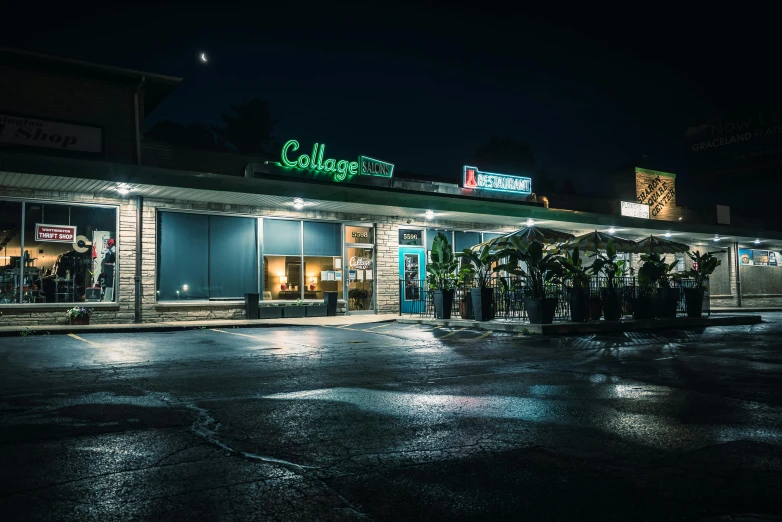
x=235, y=333
x=380, y=326
x=452, y=333
x=488, y=333
x=82, y=339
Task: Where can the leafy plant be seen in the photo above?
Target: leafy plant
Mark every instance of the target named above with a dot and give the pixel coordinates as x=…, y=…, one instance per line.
x=357, y=293
x=706, y=264
x=610, y=266
x=478, y=265
x=574, y=270
x=78, y=311
x=441, y=271
x=655, y=271
x=543, y=268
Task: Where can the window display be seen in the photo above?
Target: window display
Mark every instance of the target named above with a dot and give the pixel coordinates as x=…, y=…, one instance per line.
x=57, y=253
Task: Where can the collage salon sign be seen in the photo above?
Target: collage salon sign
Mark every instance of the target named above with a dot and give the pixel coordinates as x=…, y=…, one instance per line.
x=35, y=132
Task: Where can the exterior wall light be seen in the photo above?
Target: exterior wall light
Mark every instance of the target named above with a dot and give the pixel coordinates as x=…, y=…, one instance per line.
x=429, y=214
x=298, y=203
x=757, y=241
x=123, y=190
x=667, y=234
x=530, y=222
x=716, y=238
x=612, y=230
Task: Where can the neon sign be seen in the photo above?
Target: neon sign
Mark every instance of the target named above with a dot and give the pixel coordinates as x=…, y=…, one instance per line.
x=476, y=179
x=341, y=169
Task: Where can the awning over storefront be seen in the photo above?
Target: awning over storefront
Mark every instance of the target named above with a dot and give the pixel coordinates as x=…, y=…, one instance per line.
x=76, y=175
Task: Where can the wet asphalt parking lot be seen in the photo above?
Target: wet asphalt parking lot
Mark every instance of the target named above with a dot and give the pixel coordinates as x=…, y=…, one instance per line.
x=392, y=422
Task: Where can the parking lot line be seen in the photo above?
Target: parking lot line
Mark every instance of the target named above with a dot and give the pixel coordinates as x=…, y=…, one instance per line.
x=379, y=326
x=83, y=340
x=488, y=333
x=452, y=333
x=235, y=333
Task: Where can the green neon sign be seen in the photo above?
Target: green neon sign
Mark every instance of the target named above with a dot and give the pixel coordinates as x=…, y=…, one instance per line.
x=341, y=169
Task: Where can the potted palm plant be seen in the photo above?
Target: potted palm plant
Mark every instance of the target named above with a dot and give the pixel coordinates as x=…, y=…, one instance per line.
x=579, y=278
x=441, y=275
x=478, y=268
x=612, y=268
x=646, y=299
x=543, y=270
x=667, y=297
x=703, y=266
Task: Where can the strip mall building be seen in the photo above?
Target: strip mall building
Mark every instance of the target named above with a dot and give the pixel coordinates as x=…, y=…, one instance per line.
x=92, y=214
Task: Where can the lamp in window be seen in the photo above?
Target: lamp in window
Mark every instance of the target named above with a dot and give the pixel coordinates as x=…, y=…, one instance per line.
x=283, y=283
x=313, y=281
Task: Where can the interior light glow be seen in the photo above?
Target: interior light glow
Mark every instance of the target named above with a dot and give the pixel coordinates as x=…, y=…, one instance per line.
x=429, y=214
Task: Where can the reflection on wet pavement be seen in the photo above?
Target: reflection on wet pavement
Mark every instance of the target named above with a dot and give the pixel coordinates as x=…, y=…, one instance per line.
x=413, y=423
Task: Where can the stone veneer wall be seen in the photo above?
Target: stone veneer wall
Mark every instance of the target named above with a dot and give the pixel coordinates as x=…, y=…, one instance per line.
x=387, y=261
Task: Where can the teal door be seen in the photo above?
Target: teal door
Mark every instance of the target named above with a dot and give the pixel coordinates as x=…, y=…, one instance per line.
x=412, y=290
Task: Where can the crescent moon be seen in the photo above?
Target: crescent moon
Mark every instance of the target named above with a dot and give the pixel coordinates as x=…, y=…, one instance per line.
x=203, y=57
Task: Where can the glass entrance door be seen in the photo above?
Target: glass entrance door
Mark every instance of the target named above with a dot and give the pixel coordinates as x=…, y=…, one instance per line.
x=411, y=273
x=361, y=279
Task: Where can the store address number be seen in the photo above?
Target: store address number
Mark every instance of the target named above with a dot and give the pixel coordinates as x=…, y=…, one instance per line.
x=410, y=236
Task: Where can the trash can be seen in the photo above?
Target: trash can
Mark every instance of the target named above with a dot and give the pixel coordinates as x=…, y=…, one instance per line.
x=251, y=305
x=330, y=299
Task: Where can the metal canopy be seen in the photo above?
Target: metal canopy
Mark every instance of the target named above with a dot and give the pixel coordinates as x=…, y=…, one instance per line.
x=52, y=175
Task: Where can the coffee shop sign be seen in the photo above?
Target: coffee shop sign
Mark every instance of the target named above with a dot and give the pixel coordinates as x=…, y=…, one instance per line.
x=340, y=169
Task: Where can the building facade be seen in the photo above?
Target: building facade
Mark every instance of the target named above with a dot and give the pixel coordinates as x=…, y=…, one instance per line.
x=94, y=216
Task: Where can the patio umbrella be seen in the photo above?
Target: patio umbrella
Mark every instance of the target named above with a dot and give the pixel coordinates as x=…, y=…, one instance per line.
x=594, y=241
x=656, y=245
x=545, y=236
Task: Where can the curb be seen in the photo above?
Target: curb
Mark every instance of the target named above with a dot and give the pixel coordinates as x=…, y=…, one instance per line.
x=594, y=326
x=151, y=327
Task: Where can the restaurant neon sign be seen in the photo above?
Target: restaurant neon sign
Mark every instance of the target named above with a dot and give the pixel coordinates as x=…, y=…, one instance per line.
x=477, y=179
x=341, y=169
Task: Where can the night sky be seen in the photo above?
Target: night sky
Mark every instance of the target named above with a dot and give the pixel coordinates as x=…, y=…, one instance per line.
x=423, y=86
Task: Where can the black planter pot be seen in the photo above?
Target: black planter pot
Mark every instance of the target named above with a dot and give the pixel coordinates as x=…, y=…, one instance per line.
x=645, y=307
x=541, y=311
x=579, y=304
x=443, y=301
x=595, y=308
x=693, y=298
x=612, y=303
x=667, y=302
x=482, y=303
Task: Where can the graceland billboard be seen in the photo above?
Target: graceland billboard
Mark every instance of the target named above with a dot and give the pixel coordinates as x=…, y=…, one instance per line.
x=744, y=140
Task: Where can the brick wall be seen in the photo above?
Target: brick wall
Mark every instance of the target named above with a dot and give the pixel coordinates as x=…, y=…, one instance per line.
x=58, y=95
x=658, y=190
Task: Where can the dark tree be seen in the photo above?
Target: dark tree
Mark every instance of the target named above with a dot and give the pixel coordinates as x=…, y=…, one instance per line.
x=567, y=187
x=193, y=136
x=505, y=155
x=249, y=127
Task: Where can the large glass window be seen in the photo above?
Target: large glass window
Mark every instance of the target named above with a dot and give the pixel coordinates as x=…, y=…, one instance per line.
x=462, y=240
x=206, y=256
x=322, y=259
x=70, y=253
x=361, y=277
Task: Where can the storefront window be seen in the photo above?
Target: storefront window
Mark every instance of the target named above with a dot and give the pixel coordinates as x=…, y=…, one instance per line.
x=359, y=235
x=323, y=270
x=361, y=278
x=409, y=237
x=70, y=253
x=206, y=256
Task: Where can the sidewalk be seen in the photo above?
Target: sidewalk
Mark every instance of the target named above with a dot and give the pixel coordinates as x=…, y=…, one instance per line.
x=192, y=325
x=744, y=309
